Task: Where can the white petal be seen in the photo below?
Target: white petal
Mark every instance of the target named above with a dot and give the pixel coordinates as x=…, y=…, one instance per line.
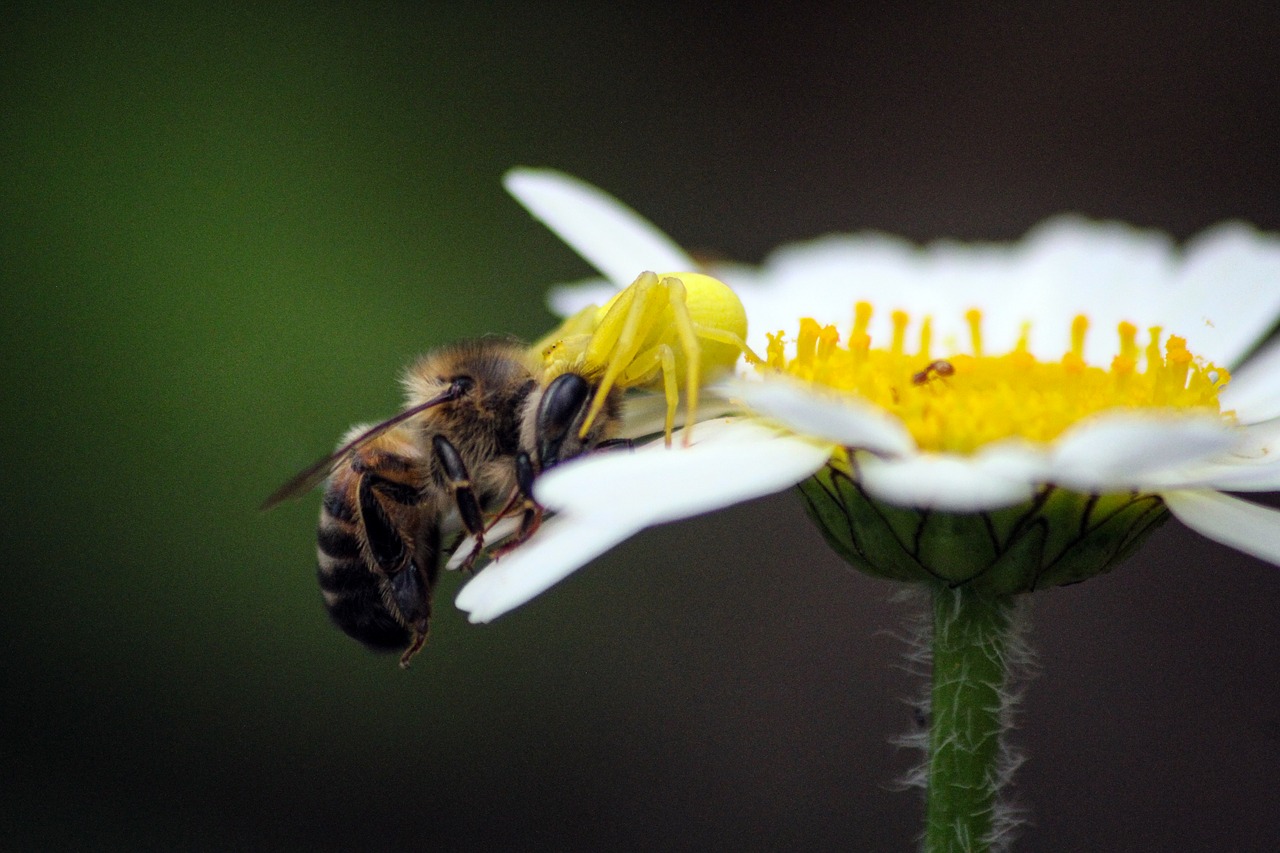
x=608, y=497
x=947, y=482
x=1245, y=526
x=606, y=233
x=1253, y=465
x=562, y=545
x=500, y=530
x=1222, y=292
x=1254, y=389
x=842, y=420
x=1240, y=477
x=735, y=461
x=1126, y=450
x=565, y=300
x=1259, y=438
x=1230, y=281
x=1108, y=271
x=645, y=414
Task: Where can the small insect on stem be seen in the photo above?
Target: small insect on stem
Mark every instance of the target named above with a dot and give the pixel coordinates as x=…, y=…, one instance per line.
x=940, y=367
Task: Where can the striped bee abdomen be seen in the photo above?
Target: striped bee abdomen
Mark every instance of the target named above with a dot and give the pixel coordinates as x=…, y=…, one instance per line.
x=377, y=544
x=353, y=593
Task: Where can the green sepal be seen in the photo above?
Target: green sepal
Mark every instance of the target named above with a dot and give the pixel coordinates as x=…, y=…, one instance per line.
x=1058, y=537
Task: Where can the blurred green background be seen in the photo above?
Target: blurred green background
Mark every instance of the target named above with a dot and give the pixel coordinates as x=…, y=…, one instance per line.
x=228, y=226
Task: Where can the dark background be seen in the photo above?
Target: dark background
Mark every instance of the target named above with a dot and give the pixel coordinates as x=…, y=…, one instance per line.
x=225, y=231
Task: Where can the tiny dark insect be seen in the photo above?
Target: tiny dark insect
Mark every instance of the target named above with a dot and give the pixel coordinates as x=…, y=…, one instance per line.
x=940, y=367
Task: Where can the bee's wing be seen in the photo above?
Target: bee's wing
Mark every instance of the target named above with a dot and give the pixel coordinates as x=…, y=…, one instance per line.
x=313, y=475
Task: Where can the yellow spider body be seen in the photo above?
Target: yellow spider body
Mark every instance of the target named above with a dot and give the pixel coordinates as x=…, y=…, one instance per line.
x=671, y=331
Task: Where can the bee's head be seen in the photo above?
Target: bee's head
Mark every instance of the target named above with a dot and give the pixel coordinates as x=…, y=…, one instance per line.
x=554, y=420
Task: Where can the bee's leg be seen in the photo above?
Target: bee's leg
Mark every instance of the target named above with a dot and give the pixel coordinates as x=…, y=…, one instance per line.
x=531, y=513
x=522, y=498
x=416, y=585
x=389, y=501
x=415, y=646
x=464, y=494
x=403, y=553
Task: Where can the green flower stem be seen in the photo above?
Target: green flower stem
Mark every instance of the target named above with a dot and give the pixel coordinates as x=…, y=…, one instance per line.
x=974, y=564
x=970, y=637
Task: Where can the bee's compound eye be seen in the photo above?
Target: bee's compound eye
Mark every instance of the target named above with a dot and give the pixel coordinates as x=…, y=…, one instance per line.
x=561, y=403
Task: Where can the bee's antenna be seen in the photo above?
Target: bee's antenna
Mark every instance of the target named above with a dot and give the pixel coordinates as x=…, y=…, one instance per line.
x=310, y=477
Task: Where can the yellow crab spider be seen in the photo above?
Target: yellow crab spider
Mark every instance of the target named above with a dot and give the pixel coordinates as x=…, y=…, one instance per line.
x=668, y=331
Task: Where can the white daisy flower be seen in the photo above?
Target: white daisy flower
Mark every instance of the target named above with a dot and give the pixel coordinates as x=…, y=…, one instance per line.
x=1003, y=395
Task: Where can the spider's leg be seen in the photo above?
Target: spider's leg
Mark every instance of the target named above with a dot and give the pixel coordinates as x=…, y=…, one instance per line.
x=661, y=358
x=721, y=336
x=618, y=339
x=678, y=298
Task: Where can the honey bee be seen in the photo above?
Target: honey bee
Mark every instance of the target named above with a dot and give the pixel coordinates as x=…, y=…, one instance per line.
x=478, y=427
x=482, y=420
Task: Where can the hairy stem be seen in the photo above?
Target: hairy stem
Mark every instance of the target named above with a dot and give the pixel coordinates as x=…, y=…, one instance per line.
x=967, y=705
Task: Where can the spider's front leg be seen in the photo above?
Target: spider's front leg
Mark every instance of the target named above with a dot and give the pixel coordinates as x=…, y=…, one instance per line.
x=671, y=331
x=680, y=329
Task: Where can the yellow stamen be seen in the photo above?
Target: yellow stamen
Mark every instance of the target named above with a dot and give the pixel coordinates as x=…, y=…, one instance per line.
x=1127, y=360
x=860, y=341
x=900, y=319
x=1073, y=362
x=963, y=401
x=974, y=318
x=926, y=337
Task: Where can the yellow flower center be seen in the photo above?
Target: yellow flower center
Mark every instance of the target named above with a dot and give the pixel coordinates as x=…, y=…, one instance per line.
x=962, y=401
